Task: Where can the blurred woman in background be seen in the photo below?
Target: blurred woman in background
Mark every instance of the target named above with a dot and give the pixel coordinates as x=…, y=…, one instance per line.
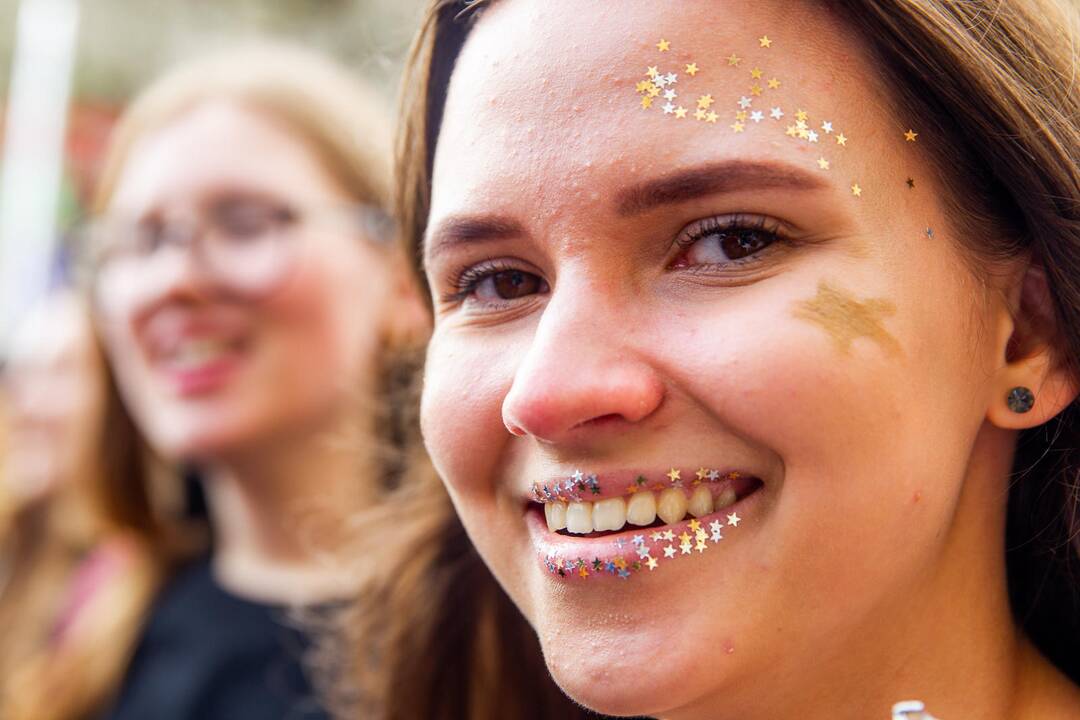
x=252, y=309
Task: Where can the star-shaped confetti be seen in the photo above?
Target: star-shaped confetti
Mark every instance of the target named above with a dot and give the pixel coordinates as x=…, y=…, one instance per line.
x=755, y=74
x=717, y=536
x=663, y=45
x=684, y=537
x=738, y=126
x=685, y=548
x=704, y=101
x=656, y=536
x=713, y=475
x=823, y=163
x=700, y=546
x=691, y=69
x=774, y=84
x=812, y=136
x=741, y=116
x=801, y=115
x=680, y=112
x=643, y=86
x=911, y=183
x=826, y=127
x=745, y=102
x=651, y=563
x=776, y=113
x=755, y=90
x=715, y=526
x=669, y=109
x=695, y=525
x=669, y=551
x=930, y=233
x=700, y=114
x=701, y=473
x=577, y=475
x=910, y=135
x=757, y=116
x=673, y=474
x=734, y=60
x=856, y=190
x=669, y=535
x=652, y=71
x=711, y=117
x=672, y=78
x=765, y=42
x=670, y=94
x=583, y=572
x=646, y=102
x=841, y=140
x=733, y=520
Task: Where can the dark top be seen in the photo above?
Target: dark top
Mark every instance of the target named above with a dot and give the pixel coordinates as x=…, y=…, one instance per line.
x=208, y=655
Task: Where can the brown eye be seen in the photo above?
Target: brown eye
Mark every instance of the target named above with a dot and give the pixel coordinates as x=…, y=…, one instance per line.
x=509, y=285
x=716, y=242
x=738, y=244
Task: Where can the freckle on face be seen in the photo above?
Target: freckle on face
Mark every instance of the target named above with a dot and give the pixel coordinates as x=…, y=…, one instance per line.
x=845, y=318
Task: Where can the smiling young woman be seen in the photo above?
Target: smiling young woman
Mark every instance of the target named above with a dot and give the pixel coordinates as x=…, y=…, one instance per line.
x=755, y=356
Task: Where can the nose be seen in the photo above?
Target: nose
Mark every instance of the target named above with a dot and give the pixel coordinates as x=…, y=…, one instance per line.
x=582, y=371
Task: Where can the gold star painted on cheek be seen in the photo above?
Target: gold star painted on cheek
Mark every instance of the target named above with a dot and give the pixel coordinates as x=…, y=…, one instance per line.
x=663, y=45
x=823, y=163
x=673, y=474
x=755, y=73
x=845, y=318
x=734, y=60
x=774, y=84
x=680, y=112
x=910, y=135
x=856, y=190
x=765, y=41
x=692, y=69
x=841, y=140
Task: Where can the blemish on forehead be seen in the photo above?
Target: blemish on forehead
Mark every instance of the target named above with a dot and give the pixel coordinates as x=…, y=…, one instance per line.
x=845, y=318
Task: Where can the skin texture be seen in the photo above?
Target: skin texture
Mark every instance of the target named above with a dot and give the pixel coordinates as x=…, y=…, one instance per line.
x=869, y=568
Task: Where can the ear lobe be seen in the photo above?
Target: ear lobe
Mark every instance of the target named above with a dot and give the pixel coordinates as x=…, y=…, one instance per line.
x=1032, y=358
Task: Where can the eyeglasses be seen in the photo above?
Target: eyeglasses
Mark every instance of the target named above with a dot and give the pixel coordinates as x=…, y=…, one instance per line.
x=246, y=246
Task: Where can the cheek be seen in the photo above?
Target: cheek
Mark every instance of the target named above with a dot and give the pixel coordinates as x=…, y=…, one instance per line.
x=461, y=408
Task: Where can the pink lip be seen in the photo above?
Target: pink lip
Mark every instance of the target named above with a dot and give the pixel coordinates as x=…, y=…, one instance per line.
x=204, y=379
x=602, y=556
x=619, y=483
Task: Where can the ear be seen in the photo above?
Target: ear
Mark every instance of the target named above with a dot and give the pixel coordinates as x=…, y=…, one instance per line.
x=1032, y=347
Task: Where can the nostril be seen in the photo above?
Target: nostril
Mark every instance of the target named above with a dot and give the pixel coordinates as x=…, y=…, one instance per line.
x=599, y=421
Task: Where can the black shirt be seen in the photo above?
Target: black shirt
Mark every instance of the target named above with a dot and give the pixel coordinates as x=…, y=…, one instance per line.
x=208, y=655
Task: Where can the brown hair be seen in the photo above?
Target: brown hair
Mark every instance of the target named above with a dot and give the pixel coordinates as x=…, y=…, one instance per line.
x=994, y=87
x=139, y=496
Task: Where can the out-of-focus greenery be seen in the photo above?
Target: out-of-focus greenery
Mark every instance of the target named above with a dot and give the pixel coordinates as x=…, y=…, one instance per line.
x=124, y=43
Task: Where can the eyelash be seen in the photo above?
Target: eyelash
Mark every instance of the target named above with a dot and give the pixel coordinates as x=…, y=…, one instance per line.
x=466, y=279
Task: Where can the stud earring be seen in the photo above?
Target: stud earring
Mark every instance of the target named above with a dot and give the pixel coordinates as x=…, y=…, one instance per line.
x=1020, y=399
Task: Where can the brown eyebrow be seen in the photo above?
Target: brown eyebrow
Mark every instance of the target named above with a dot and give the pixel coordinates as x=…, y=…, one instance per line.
x=461, y=229
x=712, y=179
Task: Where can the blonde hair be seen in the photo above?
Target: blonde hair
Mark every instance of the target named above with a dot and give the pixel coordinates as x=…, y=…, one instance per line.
x=344, y=124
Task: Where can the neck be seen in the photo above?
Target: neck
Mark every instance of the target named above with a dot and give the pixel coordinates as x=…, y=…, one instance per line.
x=280, y=512
x=949, y=641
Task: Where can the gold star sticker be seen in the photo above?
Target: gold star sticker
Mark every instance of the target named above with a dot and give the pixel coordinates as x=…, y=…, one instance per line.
x=694, y=525
x=704, y=102
x=700, y=546
x=734, y=60
x=741, y=116
x=755, y=73
x=755, y=89
x=651, y=562
x=800, y=115
x=583, y=572
x=804, y=134
x=911, y=183
x=701, y=473
x=673, y=474
x=646, y=102
x=663, y=45
x=643, y=85
x=856, y=190
x=684, y=538
x=841, y=140
x=774, y=84
x=792, y=131
x=631, y=489
x=823, y=163
x=692, y=69
x=765, y=41
x=738, y=127
x=652, y=71
x=620, y=563
x=680, y=112
x=712, y=117
x=910, y=135
x=653, y=91
x=699, y=114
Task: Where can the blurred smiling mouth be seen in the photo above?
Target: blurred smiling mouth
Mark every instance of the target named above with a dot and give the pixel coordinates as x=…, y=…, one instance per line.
x=621, y=523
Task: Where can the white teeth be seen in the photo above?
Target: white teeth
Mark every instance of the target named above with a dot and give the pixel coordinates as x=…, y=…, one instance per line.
x=672, y=505
x=701, y=502
x=641, y=510
x=609, y=514
x=724, y=499
x=579, y=518
x=555, y=512
x=197, y=352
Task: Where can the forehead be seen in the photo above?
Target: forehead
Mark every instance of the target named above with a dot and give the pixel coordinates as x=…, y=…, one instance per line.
x=549, y=87
x=218, y=146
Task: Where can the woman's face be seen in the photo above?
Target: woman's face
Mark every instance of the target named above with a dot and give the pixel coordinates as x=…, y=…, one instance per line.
x=623, y=291
x=209, y=369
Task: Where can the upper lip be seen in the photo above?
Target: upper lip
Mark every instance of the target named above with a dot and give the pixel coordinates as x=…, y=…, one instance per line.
x=588, y=486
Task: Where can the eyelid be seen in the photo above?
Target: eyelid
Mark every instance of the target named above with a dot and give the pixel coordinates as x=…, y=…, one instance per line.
x=698, y=229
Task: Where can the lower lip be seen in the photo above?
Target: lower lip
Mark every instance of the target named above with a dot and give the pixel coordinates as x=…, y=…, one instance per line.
x=203, y=379
x=610, y=549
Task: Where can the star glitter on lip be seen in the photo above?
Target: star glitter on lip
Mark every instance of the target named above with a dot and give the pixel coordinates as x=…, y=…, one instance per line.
x=663, y=45
x=669, y=551
x=774, y=84
x=691, y=69
x=733, y=519
x=674, y=474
